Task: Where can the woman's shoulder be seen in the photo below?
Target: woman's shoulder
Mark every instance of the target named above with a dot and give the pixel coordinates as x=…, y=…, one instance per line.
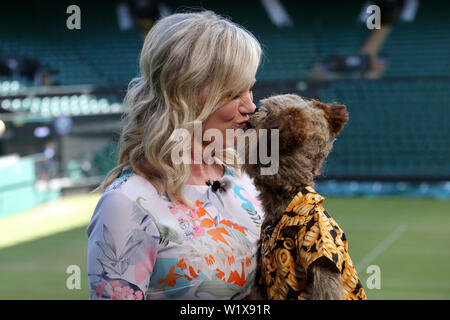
x=130, y=184
x=126, y=191
x=128, y=198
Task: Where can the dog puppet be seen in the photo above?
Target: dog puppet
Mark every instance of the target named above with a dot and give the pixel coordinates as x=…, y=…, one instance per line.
x=303, y=251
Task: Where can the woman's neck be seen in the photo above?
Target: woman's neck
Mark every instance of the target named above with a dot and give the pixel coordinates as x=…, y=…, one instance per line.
x=201, y=172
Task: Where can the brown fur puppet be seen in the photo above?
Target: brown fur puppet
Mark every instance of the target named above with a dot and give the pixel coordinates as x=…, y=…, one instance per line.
x=304, y=252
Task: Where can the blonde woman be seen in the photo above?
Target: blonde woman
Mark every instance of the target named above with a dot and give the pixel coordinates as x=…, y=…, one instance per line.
x=160, y=231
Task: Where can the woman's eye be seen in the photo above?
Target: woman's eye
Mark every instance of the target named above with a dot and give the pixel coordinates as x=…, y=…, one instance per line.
x=250, y=90
x=239, y=95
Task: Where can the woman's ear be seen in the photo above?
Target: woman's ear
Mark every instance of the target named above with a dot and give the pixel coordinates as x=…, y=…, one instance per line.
x=291, y=124
x=336, y=115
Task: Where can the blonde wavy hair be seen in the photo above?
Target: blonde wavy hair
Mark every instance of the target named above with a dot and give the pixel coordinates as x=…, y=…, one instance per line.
x=182, y=54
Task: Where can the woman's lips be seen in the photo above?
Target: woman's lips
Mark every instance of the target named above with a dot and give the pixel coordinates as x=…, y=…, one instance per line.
x=243, y=124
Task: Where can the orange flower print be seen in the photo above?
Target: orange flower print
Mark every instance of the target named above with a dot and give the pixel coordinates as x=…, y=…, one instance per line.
x=181, y=264
x=202, y=211
x=217, y=234
x=192, y=272
x=206, y=223
x=199, y=203
x=239, y=228
x=226, y=222
x=219, y=273
x=209, y=259
x=171, y=278
x=238, y=279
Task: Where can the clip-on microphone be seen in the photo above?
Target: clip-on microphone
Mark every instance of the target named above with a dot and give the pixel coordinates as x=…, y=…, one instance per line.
x=222, y=184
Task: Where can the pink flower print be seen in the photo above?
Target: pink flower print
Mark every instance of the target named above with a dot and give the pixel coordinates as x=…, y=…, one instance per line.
x=114, y=283
x=184, y=207
x=137, y=295
x=116, y=295
x=121, y=293
x=198, y=231
x=173, y=210
x=144, y=268
x=193, y=216
x=126, y=291
x=99, y=289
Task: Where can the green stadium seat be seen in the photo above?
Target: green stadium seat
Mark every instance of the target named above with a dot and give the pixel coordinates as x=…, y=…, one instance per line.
x=390, y=131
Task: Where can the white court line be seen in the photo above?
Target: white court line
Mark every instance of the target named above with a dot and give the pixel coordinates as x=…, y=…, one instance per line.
x=382, y=246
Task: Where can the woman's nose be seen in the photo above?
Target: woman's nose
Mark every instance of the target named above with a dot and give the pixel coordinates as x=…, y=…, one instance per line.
x=247, y=105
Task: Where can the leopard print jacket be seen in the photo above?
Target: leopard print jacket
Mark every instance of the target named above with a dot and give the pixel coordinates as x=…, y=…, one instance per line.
x=304, y=233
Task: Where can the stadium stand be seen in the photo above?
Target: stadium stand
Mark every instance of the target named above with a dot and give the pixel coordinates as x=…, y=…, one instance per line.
x=422, y=47
x=101, y=54
x=395, y=129
x=97, y=54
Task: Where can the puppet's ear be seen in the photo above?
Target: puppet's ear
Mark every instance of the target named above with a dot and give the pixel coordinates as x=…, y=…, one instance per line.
x=336, y=115
x=291, y=123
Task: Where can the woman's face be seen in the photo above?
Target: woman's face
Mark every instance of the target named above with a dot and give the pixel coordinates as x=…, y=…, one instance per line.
x=232, y=114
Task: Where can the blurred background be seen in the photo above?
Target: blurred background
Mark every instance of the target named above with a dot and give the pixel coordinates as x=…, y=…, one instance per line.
x=387, y=181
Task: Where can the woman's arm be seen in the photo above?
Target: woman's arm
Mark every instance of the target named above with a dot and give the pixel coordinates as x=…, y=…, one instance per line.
x=122, y=248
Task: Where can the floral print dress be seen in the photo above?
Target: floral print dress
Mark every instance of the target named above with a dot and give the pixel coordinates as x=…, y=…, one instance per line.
x=143, y=246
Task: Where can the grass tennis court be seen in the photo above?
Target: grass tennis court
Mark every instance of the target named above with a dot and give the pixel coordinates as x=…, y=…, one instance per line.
x=407, y=238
